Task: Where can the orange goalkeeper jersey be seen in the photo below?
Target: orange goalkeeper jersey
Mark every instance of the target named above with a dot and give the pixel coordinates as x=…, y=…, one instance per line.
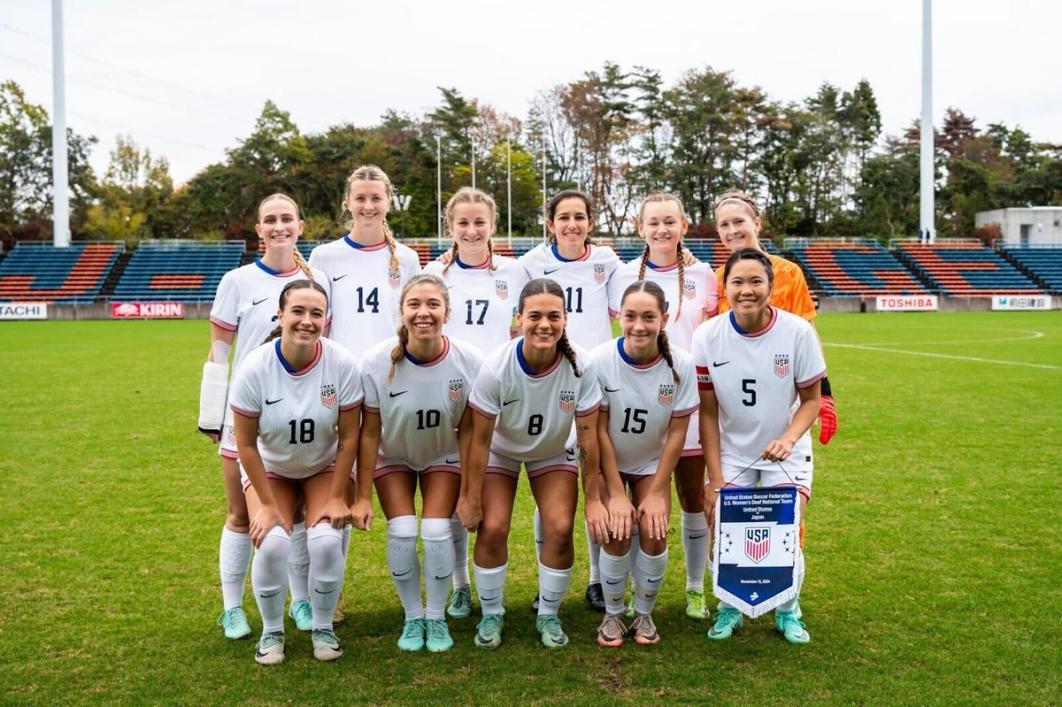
x=790, y=291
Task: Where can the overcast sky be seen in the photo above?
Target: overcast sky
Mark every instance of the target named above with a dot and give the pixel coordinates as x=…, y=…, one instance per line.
x=187, y=79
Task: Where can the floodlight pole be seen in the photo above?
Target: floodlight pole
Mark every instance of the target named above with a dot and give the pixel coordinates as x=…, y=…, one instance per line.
x=544, y=237
x=438, y=189
x=927, y=231
x=60, y=169
x=473, y=163
x=509, y=187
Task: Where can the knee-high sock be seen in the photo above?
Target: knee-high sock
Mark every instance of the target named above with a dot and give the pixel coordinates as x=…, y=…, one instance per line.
x=438, y=564
x=325, y=549
x=234, y=554
x=695, y=545
x=490, y=585
x=594, y=551
x=636, y=537
x=552, y=586
x=298, y=564
x=268, y=574
x=404, y=564
x=460, y=538
x=651, y=571
x=614, y=572
x=346, y=538
x=536, y=521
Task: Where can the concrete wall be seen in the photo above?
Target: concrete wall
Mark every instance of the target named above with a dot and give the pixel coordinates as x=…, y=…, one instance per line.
x=1045, y=224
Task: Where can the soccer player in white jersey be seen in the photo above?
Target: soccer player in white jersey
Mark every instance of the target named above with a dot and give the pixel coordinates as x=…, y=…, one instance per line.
x=415, y=424
x=244, y=311
x=759, y=372
x=366, y=268
x=650, y=392
x=483, y=288
x=524, y=401
x=692, y=295
x=297, y=404
x=582, y=269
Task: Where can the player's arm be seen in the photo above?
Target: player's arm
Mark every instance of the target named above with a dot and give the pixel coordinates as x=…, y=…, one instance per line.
x=620, y=510
x=590, y=464
x=268, y=514
x=464, y=440
x=803, y=419
x=336, y=509
x=473, y=468
x=214, y=389
x=368, y=450
x=710, y=439
x=656, y=506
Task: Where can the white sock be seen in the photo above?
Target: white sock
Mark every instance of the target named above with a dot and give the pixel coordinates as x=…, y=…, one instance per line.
x=490, y=585
x=268, y=573
x=346, y=539
x=614, y=572
x=636, y=538
x=791, y=605
x=438, y=565
x=234, y=554
x=695, y=545
x=298, y=564
x=552, y=586
x=536, y=520
x=325, y=549
x=404, y=564
x=594, y=550
x=460, y=538
x=651, y=571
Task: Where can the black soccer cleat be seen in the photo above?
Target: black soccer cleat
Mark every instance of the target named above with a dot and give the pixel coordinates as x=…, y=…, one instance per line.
x=595, y=597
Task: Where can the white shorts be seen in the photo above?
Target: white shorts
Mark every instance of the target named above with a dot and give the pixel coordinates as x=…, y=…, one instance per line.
x=647, y=469
x=565, y=461
x=450, y=463
x=245, y=480
x=692, y=445
x=227, y=445
x=733, y=476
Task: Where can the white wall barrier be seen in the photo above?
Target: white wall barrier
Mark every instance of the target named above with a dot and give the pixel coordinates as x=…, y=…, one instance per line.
x=23, y=310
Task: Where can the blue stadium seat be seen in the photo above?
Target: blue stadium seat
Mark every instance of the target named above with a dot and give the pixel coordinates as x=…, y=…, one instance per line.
x=179, y=271
x=37, y=271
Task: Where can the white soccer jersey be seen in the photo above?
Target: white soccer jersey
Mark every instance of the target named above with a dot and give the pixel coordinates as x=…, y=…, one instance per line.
x=755, y=376
x=365, y=290
x=585, y=284
x=641, y=400
x=533, y=412
x=482, y=301
x=422, y=406
x=297, y=410
x=247, y=301
x=700, y=295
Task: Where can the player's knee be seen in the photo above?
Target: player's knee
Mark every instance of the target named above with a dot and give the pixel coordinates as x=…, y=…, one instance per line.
x=557, y=529
x=237, y=519
x=494, y=536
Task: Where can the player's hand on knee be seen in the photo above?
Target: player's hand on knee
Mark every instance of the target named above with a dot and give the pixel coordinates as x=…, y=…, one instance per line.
x=621, y=517
x=337, y=512
x=267, y=518
x=827, y=419
x=360, y=514
x=654, y=509
x=597, y=520
x=470, y=513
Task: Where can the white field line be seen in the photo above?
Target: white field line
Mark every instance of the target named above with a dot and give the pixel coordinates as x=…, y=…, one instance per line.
x=1026, y=334
x=881, y=348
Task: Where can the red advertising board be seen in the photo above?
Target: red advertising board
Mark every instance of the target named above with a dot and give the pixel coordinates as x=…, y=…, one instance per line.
x=147, y=310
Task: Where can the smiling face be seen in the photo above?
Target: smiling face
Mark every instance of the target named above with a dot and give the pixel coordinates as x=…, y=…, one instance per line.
x=662, y=224
x=641, y=322
x=302, y=318
x=748, y=288
x=424, y=311
x=542, y=321
x=738, y=226
x=570, y=224
x=368, y=203
x=472, y=226
x=278, y=224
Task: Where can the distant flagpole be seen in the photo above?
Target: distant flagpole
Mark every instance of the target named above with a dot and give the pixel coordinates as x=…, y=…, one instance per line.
x=544, y=237
x=438, y=189
x=60, y=170
x=509, y=188
x=927, y=231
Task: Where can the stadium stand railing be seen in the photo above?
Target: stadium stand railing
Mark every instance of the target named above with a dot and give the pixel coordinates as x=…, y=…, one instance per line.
x=177, y=271
x=37, y=271
x=852, y=268
x=1043, y=263
x=964, y=268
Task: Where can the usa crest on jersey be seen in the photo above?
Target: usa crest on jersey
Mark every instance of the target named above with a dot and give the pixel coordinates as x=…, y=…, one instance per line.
x=689, y=289
x=501, y=288
x=666, y=394
x=457, y=388
x=394, y=277
x=567, y=400
x=781, y=365
x=599, y=273
x=328, y=395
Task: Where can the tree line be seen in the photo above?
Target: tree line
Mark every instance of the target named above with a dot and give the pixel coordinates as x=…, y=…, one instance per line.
x=820, y=167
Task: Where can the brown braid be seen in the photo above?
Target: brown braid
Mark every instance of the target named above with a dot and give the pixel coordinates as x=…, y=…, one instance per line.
x=656, y=292
x=565, y=347
x=398, y=351
x=453, y=257
x=665, y=351
x=659, y=197
x=645, y=261
x=301, y=262
x=682, y=279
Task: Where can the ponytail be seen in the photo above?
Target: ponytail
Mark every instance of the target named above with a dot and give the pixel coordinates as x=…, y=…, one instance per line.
x=665, y=351
x=398, y=351
x=565, y=347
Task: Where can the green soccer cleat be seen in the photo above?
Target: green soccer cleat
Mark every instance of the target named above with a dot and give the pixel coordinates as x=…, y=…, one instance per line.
x=234, y=622
x=326, y=645
x=695, y=606
x=270, y=649
x=489, y=631
x=549, y=628
x=438, y=636
x=628, y=611
x=302, y=613
x=460, y=603
x=412, y=638
x=727, y=621
x=791, y=627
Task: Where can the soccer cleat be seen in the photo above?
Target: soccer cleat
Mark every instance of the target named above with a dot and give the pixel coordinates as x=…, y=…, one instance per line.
x=695, y=607
x=340, y=614
x=595, y=597
x=438, y=636
x=489, y=631
x=270, y=649
x=325, y=644
x=791, y=627
x=460, y=603
x=611, y=631
x=234, y=622
x=302, y=613
x=412, y=638
x=727, y=620
x=534, y=605
x=644, y=630
x=549, y=628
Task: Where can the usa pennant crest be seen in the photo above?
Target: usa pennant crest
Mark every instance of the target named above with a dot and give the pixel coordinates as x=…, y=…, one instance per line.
x=758, y=563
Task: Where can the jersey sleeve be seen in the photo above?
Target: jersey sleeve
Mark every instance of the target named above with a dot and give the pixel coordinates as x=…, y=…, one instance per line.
x=686, y=398
x=589, y=389
x=810, y=366
x=321, y=279
x=615, y=292
x=711, y=299
x=245, y=394
x=700, y=358
x=371, y=394
x=350, y=390
x=225, y=311
x=486, y=391
x=409, y=266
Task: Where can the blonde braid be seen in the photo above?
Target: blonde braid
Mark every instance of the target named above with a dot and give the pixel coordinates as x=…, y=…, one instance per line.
x=645, y=261
x=453, y=258
x=391, y=246
x=681, y=279
x=490, y=254
x=565, y=347
x=398, y=351
x=301, y=262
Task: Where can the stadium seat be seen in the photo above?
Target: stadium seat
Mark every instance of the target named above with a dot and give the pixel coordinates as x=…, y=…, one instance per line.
x=1043, y=262
x=178, y=271
x=966, y=269
x=847, y=269
x=36, y=271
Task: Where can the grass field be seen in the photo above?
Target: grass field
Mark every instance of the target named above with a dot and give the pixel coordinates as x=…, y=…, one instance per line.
x=934, y=551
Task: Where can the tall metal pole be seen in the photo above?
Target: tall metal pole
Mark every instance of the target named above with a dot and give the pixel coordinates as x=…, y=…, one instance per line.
x=60, y=171
x=927, y=231
x=438, y=190
x=509, y=188
x=473, y=163
x=544, y=237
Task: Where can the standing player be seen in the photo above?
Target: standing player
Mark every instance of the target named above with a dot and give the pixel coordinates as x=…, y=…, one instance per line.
x=366, y=267
x=244, y=311
x=582, y=270
x=753, y=365
x=524, y=402
x=297, y=401
x=691, y=294
x=737, y=218
x=483, y=287
x=416, y=392
x=649, y=396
